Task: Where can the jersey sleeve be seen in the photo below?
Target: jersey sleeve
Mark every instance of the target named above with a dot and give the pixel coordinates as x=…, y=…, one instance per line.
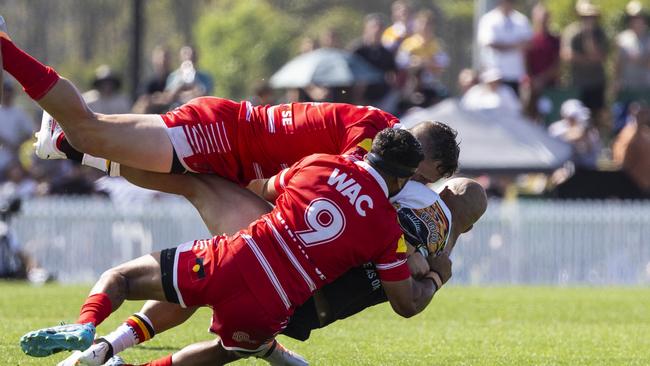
x=391, y=264
x=283, y=177
x=369, y=121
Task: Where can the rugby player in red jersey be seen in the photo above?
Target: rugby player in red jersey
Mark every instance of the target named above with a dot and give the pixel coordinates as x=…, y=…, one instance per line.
x=325, y=221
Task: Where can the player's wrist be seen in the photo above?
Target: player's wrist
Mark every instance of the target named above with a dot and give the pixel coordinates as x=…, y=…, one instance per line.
x=435, y=277
x=422, y=249
x=433, y=283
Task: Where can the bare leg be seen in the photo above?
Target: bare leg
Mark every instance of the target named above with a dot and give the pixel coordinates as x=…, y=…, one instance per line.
x=166, y=315
x=136, y=140
x=224, y=206
x=138, y=279
x=209, y=353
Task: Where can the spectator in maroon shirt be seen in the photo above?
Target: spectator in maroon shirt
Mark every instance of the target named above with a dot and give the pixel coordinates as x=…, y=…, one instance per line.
x=542, y=59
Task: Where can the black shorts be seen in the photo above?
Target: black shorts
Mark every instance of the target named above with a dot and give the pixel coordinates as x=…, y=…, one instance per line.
x=356, y=290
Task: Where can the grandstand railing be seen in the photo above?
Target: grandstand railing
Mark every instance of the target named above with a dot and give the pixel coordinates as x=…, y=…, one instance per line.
x=522, y=242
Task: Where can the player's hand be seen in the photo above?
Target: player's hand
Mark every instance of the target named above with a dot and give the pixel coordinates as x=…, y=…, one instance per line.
x=418, y=265
x=440, y=265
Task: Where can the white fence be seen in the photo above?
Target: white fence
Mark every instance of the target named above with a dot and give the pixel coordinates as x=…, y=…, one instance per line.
x=527, y=242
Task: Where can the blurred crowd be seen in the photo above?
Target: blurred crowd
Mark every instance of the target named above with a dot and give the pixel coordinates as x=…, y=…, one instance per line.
x=557, y=81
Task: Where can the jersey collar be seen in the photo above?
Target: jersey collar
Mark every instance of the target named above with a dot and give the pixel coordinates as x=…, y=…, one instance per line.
x=375, y=174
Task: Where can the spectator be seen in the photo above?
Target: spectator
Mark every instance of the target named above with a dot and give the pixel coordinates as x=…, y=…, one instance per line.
x=574, y=128
x=153, y=98
x=263, y=94
x=105, y=96
x=542, y=60
x=422, y=54
x=401, y=27
x=160, y=67
x=18, y=184
x=371, y=49
x=584, y=47
x=632, y=67
x=329, y=38
x=503, y=34
x=491, y=94
x=631, y=150
x=467, y=78
x=187, y=82
x=17, y=127
x=307, y=44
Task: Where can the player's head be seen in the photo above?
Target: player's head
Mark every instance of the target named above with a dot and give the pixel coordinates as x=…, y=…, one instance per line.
x=440, y=151
x=466, y=200
x=395, y=154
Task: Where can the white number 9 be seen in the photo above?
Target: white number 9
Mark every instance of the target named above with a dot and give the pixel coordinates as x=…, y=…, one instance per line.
x=325, y=221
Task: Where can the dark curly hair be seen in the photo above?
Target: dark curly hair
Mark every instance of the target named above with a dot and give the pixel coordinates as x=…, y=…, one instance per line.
x=439, y=143
x=397, y=147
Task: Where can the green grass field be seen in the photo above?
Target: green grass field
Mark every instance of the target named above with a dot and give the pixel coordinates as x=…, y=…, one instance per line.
x=462, y=326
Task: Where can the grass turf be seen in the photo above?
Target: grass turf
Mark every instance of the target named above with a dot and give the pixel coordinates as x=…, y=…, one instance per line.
x=462, y=326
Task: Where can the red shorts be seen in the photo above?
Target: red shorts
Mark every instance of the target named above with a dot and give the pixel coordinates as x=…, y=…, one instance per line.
x=204, y=135
x=204, y=273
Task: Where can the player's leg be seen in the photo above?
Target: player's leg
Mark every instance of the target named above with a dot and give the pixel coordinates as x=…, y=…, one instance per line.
x=138, y=279
x=155, y=317
x=140, y=141
x=211, y=353
x=224, y=206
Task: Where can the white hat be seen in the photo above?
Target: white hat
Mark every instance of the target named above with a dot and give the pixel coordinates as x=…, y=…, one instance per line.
x=634, y=8
x=585, y=8
x=491, y=75
x=574, y=109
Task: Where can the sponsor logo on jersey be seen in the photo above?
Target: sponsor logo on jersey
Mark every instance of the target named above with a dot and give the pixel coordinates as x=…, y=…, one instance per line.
x=197, y=270
x=240, y=336
x=287, y=118
x=434, y=218
x=349, y=188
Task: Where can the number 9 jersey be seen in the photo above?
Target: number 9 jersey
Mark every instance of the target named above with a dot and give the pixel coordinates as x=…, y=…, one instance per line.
x=333, y=214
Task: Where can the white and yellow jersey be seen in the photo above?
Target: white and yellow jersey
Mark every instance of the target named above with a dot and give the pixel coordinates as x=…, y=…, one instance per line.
x=423, y=215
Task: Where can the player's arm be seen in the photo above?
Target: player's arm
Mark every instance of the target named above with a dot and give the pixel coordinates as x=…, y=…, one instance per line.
x=410, y=296
x=264, y=188
x=270, y=189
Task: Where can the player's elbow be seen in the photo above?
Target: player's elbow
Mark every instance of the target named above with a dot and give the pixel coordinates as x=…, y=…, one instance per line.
x=405, y=310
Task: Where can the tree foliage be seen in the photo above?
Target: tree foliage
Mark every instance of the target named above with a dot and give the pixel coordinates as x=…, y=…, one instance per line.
x=241, y=42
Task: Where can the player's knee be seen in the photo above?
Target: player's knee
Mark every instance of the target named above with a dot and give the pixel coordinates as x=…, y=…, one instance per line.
x=86, y=136
x=259, y=353
x=81, y=140
x=117, y=281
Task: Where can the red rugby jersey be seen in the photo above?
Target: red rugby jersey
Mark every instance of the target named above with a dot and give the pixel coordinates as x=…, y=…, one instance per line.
x=259, y=141
x=333, y=215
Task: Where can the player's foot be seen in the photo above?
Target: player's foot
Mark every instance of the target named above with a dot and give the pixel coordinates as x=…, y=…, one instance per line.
x=47, y=341
x=115, y=361
x=96, y=355
x=47, y=138
x=281, y=356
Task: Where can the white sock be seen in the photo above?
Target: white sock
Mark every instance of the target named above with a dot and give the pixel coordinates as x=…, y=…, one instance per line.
x=125, y=336
x=122, y=338
x=106, y=166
